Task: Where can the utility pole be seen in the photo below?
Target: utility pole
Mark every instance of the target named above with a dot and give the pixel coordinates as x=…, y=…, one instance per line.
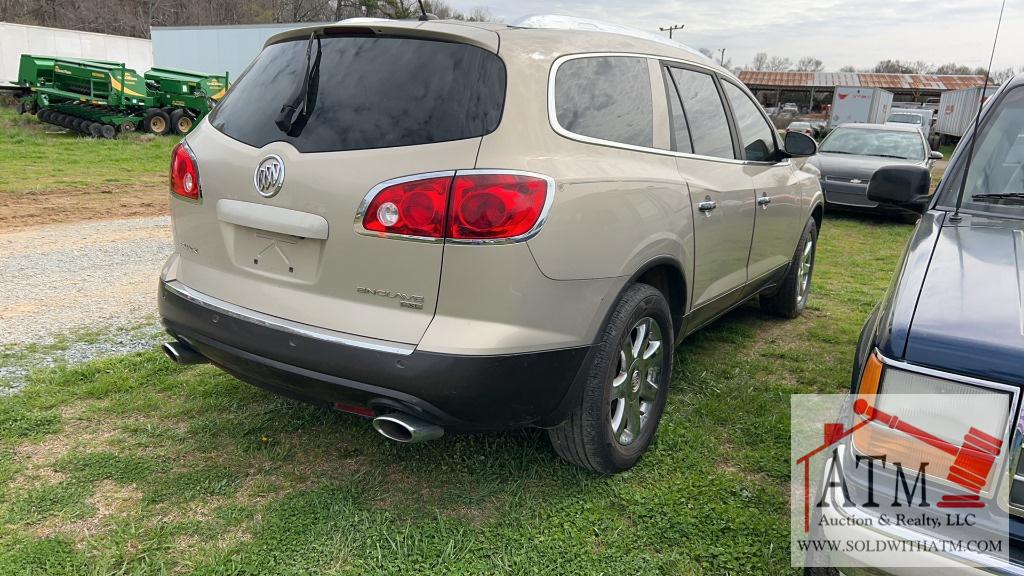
x=722, y=50
x=670, y=29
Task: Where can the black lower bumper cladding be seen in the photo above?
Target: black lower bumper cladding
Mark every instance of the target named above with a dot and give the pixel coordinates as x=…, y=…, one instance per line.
x=462, y=393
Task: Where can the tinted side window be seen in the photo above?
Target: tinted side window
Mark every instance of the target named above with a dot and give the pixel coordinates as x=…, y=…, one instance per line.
x=681, y=141
x=756, y=135
x=607, y=98
x=709, y=128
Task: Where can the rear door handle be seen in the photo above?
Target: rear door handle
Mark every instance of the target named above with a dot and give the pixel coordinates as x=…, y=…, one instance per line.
x=764, y=201
x=707, y=206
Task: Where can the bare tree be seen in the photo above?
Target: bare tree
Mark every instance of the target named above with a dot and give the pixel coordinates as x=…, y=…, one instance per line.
x=952, y=68
x=1003, y=75
x=848, y=69
x=760, y=61
x=134, y=17
x=922, y=67
x=893, y=67
x=779, y=64
x=810, y=64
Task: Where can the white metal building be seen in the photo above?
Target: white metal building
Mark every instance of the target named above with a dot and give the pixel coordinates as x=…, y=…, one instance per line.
x=18, y=39
x=213, y=48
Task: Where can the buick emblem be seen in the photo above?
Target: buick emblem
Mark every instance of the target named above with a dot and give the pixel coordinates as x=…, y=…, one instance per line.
x=269, y=176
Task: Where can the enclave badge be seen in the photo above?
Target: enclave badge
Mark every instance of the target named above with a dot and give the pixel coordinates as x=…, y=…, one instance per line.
x=269, y=176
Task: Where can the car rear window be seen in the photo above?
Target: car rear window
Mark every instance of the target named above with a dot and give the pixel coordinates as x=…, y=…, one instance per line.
x=373, y=92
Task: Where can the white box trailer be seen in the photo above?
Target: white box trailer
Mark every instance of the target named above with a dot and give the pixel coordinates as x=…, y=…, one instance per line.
x=229, y=47
x=18, y=39
x=859, y=104
x=957, y=110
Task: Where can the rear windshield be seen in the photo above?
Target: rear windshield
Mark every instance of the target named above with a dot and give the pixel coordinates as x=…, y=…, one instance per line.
x=373, y=92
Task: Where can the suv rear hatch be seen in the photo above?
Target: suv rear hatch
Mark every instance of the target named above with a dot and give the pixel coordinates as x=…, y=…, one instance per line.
x=274, y=232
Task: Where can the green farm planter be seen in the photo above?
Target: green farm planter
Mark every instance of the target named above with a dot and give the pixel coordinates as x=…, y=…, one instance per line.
x=100, y=98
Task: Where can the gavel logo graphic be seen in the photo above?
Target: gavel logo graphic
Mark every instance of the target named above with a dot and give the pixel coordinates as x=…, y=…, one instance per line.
x=972, y=461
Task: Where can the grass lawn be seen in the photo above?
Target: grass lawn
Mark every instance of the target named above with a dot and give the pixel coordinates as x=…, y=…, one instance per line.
x=48, y=174
x=134, y=465
x=35, y=156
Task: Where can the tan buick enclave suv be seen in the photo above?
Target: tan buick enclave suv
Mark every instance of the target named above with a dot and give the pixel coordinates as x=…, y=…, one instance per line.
x=472, y=226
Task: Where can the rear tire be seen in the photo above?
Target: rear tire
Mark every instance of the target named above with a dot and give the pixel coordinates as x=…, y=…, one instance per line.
x=626, y=387
x=108, y=131
x=181, y=122
x=156, y=122
x=790, y=299
x=96, y=130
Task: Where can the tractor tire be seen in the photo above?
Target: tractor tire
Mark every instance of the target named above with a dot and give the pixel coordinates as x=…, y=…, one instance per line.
x=22, y=108
x=65, y=121
x=95, y=130
x=128, y=126
x=81, y=125
x=43, y=115
x=156, y=122
x=108, y=131
x=181, y=122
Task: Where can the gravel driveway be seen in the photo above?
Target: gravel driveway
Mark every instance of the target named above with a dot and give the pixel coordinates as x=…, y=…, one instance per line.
x=98, y=276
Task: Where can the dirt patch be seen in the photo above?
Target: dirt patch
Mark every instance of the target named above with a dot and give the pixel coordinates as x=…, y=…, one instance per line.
x=39, y=457
x=110, y=499
x=103, y=202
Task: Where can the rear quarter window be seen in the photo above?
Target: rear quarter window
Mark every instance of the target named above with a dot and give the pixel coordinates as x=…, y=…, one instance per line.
x=606, y=97
x=373, y=92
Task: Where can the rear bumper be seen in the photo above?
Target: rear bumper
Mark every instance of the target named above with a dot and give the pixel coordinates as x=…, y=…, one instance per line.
x=460, y=392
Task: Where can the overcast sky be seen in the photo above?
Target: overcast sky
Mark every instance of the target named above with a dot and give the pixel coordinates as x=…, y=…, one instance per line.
x=850, y=32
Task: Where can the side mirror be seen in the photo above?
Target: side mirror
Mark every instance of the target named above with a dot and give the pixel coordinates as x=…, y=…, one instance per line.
x=934, y=155
x=799, y=145
x=903, y=186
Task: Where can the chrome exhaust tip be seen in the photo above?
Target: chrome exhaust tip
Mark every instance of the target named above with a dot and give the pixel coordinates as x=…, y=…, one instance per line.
x=406, y=429
x=183, y=354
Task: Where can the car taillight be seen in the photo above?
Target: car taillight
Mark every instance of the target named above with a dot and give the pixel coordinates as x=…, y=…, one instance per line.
x=467, y=206
x=184, y=173
x=413, y=208
x=495, y=206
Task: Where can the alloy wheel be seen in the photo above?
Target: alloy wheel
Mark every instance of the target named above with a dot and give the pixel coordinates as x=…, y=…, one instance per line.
x=637, y=381
x=803, y=273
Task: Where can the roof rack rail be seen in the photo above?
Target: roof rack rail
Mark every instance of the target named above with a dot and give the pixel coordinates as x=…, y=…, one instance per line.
x=559, y=22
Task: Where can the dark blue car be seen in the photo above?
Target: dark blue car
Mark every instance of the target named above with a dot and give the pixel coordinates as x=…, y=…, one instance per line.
x=953, y=319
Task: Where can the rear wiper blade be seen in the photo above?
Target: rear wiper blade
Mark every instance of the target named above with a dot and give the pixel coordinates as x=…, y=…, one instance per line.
x=300, y=104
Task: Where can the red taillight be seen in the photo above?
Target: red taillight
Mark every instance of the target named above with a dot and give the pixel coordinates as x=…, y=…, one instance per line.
x=184, y=173
x=415, y=208
x=495, y=206
x=468, y=206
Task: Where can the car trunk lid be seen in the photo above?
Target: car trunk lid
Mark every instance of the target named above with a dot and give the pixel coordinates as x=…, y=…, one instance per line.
x=275, y=229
